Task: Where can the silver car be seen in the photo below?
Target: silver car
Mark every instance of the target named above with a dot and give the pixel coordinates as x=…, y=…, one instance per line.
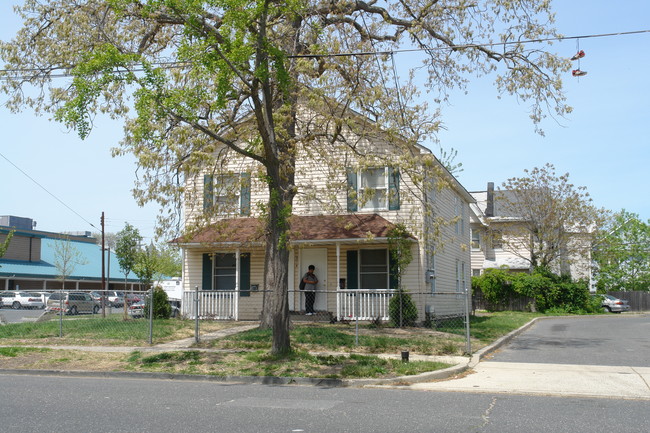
x=614, y=305
x=72, y=303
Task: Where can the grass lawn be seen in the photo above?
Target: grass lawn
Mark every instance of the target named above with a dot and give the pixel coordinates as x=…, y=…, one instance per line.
x=319, y=350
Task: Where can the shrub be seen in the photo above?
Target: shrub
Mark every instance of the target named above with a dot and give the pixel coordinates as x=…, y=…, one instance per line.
x=402, y=310
x=495, y=284
x=161, y=307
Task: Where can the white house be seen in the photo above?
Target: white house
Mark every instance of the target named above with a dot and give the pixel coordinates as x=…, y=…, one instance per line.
x=342, y=216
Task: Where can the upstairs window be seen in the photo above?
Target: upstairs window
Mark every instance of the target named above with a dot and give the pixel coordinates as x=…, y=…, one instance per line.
x=227, y=194
x=459, y=210
x=373, y=189
x=476, y=240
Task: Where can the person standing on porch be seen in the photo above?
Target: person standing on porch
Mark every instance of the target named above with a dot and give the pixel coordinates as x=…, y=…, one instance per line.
x=308, y=284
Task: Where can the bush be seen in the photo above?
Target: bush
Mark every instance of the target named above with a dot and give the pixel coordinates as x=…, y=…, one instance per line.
x=161, y=307
x=402, y=310
x=495, y=284
x=551, y=292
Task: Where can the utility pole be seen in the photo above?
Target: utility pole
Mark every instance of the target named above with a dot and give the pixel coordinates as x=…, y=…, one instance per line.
x=103, y=275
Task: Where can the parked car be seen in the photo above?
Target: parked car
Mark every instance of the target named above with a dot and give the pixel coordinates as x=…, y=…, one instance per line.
x=72, y=303
x=132, y=298
x=18, y=300
x=612, y=304
x=115, y=299
x=136, y=309
x=97, y=296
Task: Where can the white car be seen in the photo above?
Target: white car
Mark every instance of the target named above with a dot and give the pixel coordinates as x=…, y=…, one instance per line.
x=17, y=300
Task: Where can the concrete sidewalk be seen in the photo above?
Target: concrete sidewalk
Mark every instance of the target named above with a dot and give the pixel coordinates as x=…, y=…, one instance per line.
x=549, y=379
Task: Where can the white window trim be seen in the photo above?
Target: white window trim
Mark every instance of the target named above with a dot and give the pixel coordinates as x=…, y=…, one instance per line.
x=360, y=190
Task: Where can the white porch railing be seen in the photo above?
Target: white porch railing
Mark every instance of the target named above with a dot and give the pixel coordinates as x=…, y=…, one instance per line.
x=212, y=304
x=363, y=304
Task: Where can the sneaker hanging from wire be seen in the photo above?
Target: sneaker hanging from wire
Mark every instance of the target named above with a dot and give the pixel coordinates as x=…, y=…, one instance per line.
x=579, y=55
x=578, y=73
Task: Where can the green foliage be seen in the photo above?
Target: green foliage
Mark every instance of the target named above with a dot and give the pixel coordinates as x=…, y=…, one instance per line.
x=495, y=284
x=127, y=247
x=622, y=252
x=161, y=307
x=402, y=310
x=399, y=244
x=548, y=290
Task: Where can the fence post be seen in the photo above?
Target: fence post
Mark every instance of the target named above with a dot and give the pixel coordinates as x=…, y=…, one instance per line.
x=468, y=343
x=356, y=315
x=61, y=313
x=196, y=314
x=150, y=315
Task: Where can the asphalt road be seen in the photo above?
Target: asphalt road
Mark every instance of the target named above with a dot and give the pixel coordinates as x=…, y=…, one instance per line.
x=612, y=340
x=92, y=405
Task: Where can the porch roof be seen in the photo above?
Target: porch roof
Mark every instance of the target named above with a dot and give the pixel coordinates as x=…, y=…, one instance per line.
x=352, y=227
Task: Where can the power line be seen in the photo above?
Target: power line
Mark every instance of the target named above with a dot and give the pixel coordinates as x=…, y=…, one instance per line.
x=45, y=189
x=174, y=64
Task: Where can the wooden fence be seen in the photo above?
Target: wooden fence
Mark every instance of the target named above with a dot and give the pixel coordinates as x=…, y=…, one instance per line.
x=639, y=301
x=515, y=303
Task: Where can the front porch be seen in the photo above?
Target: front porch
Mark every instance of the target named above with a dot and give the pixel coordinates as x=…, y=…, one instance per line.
x=351, y=304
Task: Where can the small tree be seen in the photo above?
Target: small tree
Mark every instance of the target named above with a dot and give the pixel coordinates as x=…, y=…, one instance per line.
x=550, y=219
x=622, y=253
x=127, y=246
x=66, y=258
x=401, y=308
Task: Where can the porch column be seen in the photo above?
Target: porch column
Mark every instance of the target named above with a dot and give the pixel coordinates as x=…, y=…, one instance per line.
x=235, y=303
x=338, y=265
x=338, y=279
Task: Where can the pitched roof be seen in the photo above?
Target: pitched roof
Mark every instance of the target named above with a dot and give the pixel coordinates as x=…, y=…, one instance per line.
x=351, y=227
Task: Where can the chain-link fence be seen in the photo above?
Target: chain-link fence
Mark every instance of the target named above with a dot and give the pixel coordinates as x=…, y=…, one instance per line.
x=443, y=312
x=79, y=317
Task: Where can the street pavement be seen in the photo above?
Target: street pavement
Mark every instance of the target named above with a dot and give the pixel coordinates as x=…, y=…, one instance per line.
x=486, y=373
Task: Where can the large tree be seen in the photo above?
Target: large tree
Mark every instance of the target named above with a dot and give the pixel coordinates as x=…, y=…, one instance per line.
x=214, y=80
x=548, y=221
x=622, y=253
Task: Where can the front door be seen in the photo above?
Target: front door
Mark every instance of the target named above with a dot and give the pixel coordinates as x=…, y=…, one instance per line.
x=318, y=258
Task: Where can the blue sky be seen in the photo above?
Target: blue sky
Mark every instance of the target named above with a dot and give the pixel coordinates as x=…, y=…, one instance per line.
x=604, y=144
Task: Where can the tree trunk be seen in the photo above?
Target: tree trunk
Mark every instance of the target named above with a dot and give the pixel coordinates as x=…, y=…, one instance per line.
x=275, y=312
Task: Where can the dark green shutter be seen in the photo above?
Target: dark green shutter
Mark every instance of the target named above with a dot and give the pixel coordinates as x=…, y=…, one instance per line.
x=353, y=270
x=392, y=272
x=393, y=188
x=207, y=272
x=208, y=186
x=244, y=275
x=352, y=191
x=245, y=194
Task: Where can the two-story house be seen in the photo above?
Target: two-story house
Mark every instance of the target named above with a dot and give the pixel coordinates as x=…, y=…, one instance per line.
x=500, y=238
x=348, y=199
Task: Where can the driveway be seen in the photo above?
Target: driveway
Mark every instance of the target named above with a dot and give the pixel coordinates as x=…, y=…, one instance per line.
x=588, y=356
